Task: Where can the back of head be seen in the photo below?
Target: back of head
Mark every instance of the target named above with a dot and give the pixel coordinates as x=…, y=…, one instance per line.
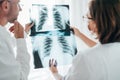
x=106, y=14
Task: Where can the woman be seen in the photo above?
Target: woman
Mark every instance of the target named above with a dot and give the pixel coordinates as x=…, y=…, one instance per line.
x=100, y=62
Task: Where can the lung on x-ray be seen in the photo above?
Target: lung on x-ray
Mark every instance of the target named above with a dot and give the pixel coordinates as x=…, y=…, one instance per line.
x=51, y=35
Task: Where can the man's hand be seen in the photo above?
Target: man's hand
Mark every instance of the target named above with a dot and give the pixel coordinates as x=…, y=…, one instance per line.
x=17, y=27
x=28, y=27
x=18, y=30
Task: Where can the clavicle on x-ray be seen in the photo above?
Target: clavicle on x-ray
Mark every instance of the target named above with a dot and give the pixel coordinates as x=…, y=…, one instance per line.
x=51, y=35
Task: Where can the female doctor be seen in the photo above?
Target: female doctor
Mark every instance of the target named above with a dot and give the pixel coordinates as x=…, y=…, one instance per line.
x=100, y=62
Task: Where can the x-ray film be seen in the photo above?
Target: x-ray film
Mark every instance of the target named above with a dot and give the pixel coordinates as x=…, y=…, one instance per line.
x=51, y=35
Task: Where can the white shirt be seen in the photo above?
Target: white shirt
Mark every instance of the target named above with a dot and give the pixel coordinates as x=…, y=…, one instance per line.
x=99, y=63
x=12, y=68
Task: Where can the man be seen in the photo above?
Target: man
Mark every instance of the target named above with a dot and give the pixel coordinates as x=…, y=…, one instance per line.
x=12, y=68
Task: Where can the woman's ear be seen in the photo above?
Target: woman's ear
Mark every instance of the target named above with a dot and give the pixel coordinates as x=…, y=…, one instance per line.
x=94, y=28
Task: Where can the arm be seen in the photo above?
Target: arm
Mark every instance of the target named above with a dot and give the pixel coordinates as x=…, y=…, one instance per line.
x=78, y=71
x=22, y=54
x=27, y=28
x=54, y=70
x=23, y=58
x=88, y=41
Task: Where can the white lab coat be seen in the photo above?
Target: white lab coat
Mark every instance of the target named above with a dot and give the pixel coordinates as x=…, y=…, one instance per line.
x=99, y=63
x=12, y=68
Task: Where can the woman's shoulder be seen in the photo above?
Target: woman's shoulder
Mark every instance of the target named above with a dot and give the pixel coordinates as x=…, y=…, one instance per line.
x=100, y=49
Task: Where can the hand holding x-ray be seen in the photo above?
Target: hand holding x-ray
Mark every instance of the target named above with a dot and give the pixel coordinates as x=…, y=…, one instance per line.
x=53, y=66
x=28, y=27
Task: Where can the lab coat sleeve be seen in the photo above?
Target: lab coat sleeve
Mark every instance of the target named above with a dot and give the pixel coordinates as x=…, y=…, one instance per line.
x=23, y=58
x=79, y=69
x=57, y=76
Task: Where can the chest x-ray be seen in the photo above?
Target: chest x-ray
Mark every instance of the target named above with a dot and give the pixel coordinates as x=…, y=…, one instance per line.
x=51, y=35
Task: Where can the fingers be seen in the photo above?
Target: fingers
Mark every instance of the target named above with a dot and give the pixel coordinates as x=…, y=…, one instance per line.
x=53, y=66
x=76, y=31
x=52, y=62
x=18, y=30
x=11, y=29
x=28, y=27
x=17, y=25
x=15, y=28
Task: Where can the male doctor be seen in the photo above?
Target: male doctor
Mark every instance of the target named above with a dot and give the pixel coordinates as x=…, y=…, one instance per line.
x=11, y=67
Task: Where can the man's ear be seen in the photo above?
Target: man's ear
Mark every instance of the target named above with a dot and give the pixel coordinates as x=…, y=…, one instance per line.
x=5, y=6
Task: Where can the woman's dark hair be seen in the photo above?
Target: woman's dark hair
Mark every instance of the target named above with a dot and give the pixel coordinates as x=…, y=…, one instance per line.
x=106, y=14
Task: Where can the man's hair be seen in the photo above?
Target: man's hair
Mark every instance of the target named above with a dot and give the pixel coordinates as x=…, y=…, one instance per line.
x=106, y=14
x=1, y=1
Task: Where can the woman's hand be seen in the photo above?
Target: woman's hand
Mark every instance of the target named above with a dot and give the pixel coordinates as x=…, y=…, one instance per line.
x=53, y=66
x=76, y=31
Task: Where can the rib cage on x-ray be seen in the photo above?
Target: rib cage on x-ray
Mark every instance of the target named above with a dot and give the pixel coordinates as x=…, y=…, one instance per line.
x=58, y=24
x=48, y=43
x=65, y=45
x=47, y=46
x=42, y=18
x=57, y=19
